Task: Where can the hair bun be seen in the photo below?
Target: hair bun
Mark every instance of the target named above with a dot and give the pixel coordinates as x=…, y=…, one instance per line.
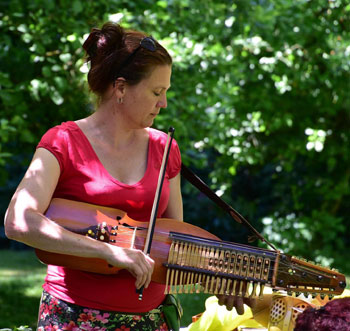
x=104, y=41
x=112, y=38
x=91, y=43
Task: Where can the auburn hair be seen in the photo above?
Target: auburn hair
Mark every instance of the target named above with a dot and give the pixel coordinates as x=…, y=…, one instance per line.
x=108, y=49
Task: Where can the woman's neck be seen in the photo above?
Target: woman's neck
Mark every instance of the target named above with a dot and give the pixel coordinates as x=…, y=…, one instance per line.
x=107, y=125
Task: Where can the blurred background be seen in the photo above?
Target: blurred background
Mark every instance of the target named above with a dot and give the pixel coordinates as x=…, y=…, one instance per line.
x=260, y=102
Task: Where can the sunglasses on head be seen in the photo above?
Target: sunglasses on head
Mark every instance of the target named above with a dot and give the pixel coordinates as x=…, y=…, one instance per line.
x=147, y=43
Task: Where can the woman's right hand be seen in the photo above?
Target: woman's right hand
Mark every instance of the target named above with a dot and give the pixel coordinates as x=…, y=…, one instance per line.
x=135, y=261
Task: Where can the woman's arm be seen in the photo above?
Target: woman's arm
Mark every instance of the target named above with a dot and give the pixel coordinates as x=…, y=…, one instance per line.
x=175, y=209
x=25, y=222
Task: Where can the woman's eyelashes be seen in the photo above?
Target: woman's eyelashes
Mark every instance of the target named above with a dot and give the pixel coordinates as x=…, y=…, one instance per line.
x=158, y=93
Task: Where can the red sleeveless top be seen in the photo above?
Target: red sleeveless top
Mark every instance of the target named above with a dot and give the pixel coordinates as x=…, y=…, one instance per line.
x=84, y=178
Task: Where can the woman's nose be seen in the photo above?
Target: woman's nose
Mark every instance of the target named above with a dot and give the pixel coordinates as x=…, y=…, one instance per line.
x=163, y=102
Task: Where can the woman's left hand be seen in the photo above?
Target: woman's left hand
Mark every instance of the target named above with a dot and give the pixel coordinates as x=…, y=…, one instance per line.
x=238, y=298
x=234, y=301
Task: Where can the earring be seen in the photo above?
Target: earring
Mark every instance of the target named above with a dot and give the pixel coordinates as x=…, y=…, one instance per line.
x=120, y=100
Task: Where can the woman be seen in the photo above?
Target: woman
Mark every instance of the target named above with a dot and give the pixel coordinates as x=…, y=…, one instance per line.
x=111, y=158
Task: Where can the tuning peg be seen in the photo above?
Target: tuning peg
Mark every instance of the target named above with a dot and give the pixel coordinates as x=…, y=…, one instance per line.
x=319, y=278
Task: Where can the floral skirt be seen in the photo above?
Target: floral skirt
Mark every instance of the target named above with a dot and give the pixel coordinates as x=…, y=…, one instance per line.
x=55, y=314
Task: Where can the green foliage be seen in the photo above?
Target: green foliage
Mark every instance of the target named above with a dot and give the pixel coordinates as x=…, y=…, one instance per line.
x=259, y=101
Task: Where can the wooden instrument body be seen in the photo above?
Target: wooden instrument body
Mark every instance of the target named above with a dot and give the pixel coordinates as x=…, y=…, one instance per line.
x=81, y=217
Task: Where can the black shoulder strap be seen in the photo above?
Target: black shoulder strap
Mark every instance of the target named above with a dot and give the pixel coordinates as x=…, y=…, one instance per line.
x=200, y=185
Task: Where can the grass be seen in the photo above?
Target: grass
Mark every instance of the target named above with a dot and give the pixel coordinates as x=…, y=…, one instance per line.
x=21, y=278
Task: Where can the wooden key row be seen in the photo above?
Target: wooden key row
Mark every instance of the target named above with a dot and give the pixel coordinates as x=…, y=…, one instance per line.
x=194, y=268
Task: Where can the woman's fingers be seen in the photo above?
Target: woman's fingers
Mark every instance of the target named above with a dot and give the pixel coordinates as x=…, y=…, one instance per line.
x=149, y=275
x=238, y=304
x=236, y=301
x=142, y=269
x=135, y=261
x=232, y=301
x=225, y=300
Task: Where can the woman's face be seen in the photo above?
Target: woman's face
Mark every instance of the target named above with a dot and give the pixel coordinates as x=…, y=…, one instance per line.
x=142, y=102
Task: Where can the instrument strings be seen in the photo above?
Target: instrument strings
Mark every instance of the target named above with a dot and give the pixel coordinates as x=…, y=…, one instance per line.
x=194, y=254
